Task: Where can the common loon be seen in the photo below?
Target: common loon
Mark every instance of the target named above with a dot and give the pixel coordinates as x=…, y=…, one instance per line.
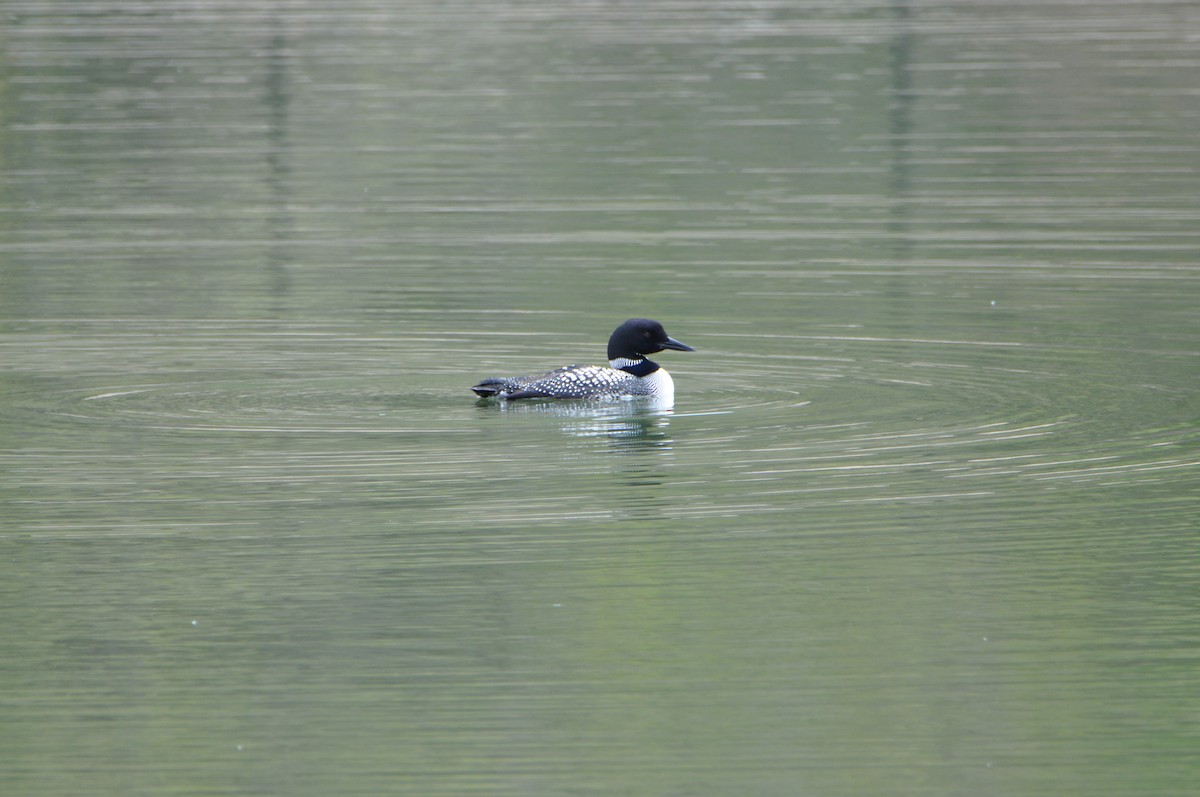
x=629, y=372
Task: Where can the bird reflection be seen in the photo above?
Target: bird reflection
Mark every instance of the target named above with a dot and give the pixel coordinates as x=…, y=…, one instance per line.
x=638, y=424
x=637, y=430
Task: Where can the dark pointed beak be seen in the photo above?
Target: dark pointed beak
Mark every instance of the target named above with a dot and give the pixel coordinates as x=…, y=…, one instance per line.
x=676, y=345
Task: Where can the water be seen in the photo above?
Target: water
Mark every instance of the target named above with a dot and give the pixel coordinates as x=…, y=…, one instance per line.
x=923, y=520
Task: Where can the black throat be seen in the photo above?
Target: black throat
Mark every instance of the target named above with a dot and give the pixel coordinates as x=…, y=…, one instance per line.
x=640, y=367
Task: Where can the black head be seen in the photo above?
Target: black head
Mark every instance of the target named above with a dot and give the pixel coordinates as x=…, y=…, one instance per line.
x=638, y=337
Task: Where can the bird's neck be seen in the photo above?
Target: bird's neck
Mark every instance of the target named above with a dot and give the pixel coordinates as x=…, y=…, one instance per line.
x=637, y=367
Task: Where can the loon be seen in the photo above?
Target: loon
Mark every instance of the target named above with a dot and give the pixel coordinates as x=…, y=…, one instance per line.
x=629, y=372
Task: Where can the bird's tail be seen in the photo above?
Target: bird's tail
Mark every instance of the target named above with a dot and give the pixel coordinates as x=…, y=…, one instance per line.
x=494, y=386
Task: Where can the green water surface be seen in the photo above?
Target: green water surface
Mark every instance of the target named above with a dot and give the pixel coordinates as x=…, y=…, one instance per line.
x=923, y=520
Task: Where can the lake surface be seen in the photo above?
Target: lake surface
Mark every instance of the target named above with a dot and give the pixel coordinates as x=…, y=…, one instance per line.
x=923, y=520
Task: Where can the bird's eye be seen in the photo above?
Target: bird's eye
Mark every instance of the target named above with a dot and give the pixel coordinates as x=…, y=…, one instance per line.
x=646, y=334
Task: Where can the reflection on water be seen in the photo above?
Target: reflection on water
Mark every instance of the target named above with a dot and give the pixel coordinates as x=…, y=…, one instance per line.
x=921, y=520
x=631, y=423
x=902, y=97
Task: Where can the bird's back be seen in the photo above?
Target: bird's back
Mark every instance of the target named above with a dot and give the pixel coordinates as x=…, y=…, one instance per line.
x=570, y=381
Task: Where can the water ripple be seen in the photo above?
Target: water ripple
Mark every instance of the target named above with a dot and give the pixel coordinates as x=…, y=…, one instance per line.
x=822, y=419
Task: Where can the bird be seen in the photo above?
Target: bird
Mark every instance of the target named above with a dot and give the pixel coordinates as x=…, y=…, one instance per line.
x=628, y=373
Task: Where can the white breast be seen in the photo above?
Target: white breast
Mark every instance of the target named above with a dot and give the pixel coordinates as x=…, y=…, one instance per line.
x=660, y=385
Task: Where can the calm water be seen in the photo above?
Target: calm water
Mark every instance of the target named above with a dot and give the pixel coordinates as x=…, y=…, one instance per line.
x=923, y=520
